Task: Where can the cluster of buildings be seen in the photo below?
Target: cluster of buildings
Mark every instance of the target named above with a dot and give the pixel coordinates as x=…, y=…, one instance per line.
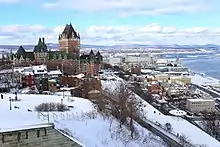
x=47, y=70
x=38, y=79
x=67, y=57
x=167, y=82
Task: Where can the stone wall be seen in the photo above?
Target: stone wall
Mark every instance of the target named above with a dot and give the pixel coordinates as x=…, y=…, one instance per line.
x=42, y=136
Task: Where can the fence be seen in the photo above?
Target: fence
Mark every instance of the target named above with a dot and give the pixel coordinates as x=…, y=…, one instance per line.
x=67, y=116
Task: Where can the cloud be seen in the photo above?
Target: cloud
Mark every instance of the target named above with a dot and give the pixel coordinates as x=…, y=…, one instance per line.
x=9, y=1
x=111, y=35
x=135, y=7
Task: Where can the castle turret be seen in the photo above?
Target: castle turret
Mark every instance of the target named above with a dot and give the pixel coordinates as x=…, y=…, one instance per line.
x=69, y=41
x=40, y=51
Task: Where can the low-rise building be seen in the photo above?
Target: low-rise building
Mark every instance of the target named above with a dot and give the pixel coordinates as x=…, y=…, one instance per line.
x=180, y=79
x=200, y=105
x=161, y=77
x=28, y=79
x=155, y=88
x=136, y=70
x=55, y=74
x=52, y=85
x=43, y=135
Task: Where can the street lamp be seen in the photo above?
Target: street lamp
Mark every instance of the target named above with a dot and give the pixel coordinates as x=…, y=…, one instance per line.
x=10, y=103
x=62, y=101
x=63, y=93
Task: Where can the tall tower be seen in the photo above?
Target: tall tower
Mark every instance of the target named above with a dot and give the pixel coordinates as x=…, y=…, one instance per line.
x=69, y=41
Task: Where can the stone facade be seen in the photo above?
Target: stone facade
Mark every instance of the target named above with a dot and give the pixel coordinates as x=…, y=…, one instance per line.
x=69, y=41
x=45, y=136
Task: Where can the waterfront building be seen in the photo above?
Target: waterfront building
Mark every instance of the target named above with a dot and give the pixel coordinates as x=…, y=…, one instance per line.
x=200, y=105
x=172, y=68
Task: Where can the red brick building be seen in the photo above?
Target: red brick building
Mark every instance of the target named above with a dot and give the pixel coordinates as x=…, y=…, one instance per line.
x=155, y=88
x=28, y=80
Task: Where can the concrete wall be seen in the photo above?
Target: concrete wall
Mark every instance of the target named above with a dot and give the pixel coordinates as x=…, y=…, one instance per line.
x=36, y=137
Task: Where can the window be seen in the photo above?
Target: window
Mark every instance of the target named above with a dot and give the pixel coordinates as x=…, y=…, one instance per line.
x=45, y=131
x=26, y=135
x=38, y=133
x=19, y=136
x=3, y=138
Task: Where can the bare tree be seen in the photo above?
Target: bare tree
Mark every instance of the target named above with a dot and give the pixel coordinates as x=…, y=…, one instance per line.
x=184, y=140
x=211, y=124
x=135, y=110
x=7, y=78
x=126, y=105
x=203, y=145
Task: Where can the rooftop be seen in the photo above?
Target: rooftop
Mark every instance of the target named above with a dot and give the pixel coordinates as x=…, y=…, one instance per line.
x=200, y=100
x=28, y=127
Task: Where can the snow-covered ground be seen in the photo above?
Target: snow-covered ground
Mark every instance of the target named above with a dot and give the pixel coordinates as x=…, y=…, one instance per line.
x=179, y=125
x=200, y=79
x=82, y=122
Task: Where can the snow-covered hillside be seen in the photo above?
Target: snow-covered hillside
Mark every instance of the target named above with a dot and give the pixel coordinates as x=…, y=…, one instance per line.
x=179, y=125
x=82, y=122
x=200, y=79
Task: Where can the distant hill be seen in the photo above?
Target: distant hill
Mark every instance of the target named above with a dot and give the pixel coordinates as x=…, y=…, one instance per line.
x=172, y=46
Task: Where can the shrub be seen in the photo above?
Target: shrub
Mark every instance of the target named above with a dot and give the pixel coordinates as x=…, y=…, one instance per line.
x=61, y=107
x=46, y=107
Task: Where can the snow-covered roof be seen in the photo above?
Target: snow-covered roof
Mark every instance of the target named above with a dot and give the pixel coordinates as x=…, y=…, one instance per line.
x=179, y=77
x=162, y=61
x=67, y=88
x=6, y=71
x=28, y=73
x=146, y=70
x=40, y=69
x=94, y=92
x=71, y=138
x=161, y=75
x=55, y=72
x=200, y=100
x=28, y=127
x=52, y=80
x=79, y=76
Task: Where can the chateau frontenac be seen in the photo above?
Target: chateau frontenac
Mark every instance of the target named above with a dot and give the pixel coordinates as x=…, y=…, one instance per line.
x=67, y=57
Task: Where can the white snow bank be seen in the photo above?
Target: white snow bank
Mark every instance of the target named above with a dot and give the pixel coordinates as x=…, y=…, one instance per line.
x=203, y=80
x=78, y=122
x=179, y=125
